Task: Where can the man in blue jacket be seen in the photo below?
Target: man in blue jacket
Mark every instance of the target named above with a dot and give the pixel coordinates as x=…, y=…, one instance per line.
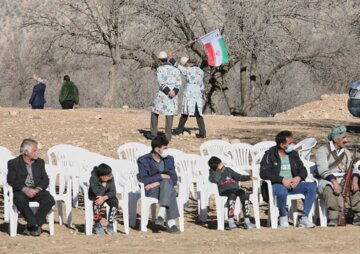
x=157, y=173
x=37, y=99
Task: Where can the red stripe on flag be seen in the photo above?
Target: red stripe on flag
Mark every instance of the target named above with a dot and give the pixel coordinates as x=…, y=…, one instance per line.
x=211, y=54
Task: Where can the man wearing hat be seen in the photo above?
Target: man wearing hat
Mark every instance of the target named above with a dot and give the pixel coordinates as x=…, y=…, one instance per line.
x=192, y=99
x=332, y=159
x=165, y=102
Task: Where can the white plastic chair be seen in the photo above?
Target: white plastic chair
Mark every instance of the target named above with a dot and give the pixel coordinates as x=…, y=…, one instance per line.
x=175, y=152
x=214, y=147
x=69, y=159
x=304, y=147
x=208, y=189
x=13, y=211
x=260, y=148
x=63, y=195
x=122, y=172
x=5, y=156
x=132, y=151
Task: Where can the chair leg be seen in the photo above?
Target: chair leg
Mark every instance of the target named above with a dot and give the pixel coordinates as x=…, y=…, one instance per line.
x=181, y=217
x=144, y=217
x=220, y=213
x=125, y=210
x=60, y=212
x=51, y=222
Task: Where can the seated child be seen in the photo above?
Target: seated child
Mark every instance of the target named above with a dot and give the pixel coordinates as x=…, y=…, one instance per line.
x=227, y=181
x=102, y=189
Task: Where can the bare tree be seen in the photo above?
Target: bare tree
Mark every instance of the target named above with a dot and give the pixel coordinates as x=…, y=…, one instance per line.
x=89, y=28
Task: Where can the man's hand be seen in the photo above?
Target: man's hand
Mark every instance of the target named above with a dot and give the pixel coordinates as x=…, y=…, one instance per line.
x=100, y=199
x=30, y=192
x=165, y=176
x=337, y=187
x=287, y=183
x=355, y=184
x=295, y=181
x=152, y=185
x=253, y=178
x=171, y=94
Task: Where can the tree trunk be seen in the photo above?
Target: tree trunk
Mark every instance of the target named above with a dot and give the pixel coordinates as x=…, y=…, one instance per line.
x=110, y=96
x=243, y=83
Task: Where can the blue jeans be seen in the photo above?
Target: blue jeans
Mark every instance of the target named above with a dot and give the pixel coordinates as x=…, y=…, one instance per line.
x=308, y=189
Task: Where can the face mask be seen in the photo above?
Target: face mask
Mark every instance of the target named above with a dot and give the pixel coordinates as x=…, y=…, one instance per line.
x=290, y=148
x=164, y=154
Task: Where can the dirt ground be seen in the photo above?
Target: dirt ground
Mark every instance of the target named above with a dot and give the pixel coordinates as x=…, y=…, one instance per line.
x=103, y=130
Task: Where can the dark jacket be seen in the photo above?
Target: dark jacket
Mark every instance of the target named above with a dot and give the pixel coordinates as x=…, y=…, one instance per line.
x=271, y=163
x=149, y=171
x=69, y=92
x=96, y=189
x=227, y=180
x=38, y=95
x=17, y=173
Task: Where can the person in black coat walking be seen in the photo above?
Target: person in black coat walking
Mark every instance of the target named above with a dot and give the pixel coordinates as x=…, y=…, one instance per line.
x=37, y=99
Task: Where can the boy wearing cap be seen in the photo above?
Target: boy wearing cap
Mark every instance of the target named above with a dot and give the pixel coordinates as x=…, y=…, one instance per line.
x=192, y=103
x=165, y=102
x=332, y=159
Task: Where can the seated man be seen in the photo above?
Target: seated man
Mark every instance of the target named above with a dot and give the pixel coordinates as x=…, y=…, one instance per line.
x=157, y=172
x=332, y=159
x=283, y=167
x=28, y=178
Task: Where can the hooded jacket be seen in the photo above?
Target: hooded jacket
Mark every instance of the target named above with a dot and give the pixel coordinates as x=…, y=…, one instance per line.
x=96, y=189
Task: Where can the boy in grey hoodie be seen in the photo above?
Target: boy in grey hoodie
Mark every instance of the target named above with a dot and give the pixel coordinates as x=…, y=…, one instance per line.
x=102, y=189
x=227, y=181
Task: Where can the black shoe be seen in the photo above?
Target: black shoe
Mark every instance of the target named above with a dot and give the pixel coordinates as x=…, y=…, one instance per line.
x=160, y=221
x=200, y=222
x=177, y=131
x=173, y=230
x=27, y=231
x=36, y=231
x=200, y=136
x=149, y=136
x=356, y=220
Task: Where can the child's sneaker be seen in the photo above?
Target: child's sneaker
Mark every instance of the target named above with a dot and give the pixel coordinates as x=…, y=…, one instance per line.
x=284, y=222
x=248, y=224
x=110, y=229
x=99, y=229
x=231, y=223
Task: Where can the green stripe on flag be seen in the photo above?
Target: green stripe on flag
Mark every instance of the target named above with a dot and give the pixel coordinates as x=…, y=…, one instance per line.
x=225, y=56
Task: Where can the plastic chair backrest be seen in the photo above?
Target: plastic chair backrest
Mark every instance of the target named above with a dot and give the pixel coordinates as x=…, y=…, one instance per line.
x=132, y=151
x=213, y=147
x=305, y=147
x=241, y=155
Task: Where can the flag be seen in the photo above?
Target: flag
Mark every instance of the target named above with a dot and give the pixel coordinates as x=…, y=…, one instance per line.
x=215, y=48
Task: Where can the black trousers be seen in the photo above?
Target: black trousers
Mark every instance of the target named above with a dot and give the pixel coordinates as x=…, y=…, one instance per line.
x=67, y=104
x=231, y=199
x=113, y=203
x=199, y=120
x=37, y=107
x=45, y=200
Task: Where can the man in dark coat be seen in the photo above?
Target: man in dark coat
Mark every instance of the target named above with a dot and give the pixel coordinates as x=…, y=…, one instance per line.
x=157, y=173
x=28, y=178
x=37, y=99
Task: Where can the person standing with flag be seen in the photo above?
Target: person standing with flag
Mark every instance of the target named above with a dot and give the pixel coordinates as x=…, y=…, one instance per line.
x=192, y=103
x=165, y=102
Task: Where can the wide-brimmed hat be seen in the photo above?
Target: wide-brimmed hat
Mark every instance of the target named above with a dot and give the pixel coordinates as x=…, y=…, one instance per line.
x=162, y=55
x=184, y=60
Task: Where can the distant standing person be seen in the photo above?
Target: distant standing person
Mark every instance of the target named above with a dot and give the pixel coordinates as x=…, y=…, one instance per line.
x=69, y=94
x=192, y=100
x=165, y=102
x=37, y=99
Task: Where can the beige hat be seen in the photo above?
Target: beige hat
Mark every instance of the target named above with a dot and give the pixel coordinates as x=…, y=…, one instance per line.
x=184, y=60
x=162, y=55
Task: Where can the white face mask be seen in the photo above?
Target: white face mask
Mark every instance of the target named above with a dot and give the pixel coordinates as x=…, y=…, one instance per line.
x=290, y=148
x=164, y=154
